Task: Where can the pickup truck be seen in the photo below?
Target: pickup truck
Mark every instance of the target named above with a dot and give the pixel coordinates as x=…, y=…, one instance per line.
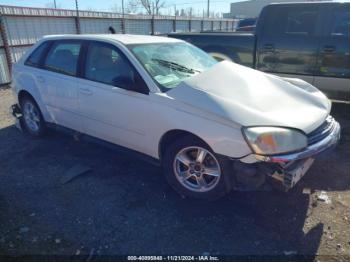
x=310, y=41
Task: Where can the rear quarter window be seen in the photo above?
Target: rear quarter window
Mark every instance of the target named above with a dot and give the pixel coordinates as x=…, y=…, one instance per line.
x=36, y=55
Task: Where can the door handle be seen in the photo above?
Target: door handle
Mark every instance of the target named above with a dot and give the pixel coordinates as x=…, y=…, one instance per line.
x=85, y=91
x=269, y=47
x=41, y=79
x=328, y=49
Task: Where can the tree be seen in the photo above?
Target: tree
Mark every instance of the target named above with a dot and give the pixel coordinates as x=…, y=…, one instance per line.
x=132, y=6
x=51, y=4
x=116, y=8
x=149, y=5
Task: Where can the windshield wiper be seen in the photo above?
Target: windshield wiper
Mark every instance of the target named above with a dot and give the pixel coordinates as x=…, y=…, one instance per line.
x=175, y=66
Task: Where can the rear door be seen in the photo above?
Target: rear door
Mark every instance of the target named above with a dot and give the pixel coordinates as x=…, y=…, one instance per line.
x=288, y=41
x=59, y=83
x=333, y=68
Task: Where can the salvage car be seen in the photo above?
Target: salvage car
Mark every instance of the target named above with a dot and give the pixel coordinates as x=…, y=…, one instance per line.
x=213, y=126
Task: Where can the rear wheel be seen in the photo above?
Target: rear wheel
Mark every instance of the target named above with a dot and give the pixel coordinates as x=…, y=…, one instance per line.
x=32, y=119
x=194, y=170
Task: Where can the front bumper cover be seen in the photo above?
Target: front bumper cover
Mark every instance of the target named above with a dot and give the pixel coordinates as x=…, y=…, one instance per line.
x=288, y=169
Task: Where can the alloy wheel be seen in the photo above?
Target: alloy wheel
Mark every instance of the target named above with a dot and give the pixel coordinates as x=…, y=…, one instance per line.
x=197, y=169
x=31, y=116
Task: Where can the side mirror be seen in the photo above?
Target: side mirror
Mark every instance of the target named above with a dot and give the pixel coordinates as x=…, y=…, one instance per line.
x=124, y=82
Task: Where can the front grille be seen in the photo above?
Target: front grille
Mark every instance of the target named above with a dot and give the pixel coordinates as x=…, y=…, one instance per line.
x=322, y=131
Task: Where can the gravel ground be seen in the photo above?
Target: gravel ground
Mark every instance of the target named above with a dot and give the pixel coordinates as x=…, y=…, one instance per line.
x=124, y=206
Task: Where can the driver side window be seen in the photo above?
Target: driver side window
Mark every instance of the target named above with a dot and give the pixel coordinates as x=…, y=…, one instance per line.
x=105, y=64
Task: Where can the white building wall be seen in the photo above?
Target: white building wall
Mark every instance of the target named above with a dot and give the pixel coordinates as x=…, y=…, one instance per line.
x=252, y=8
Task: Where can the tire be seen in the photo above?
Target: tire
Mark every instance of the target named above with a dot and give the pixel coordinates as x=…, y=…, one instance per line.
x=187, y=179
x=32, y=120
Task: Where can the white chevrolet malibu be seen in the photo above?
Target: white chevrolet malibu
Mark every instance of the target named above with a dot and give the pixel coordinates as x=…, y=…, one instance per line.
x=213, y=126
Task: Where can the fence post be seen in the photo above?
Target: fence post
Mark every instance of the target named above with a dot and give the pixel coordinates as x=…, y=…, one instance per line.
x=77, y=25
x=152, y=25
x=77, y=20
x=189, y=25
x=122, y=24
x=174, y=24
x=202, y=25
x=220, y=25
x=6, y=44
x=212, y=25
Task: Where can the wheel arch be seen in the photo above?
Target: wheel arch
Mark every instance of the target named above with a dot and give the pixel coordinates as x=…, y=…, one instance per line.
x=171, y=136
x=37, y=99
x=24, y=93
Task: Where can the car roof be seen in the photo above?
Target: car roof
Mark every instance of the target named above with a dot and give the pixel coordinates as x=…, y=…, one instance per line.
x=125, y=39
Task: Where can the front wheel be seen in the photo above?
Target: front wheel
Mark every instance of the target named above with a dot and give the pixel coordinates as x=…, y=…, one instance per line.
x=194, y=170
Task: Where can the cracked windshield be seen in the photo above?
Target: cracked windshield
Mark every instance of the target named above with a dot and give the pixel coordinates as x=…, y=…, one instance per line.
x=171, y=63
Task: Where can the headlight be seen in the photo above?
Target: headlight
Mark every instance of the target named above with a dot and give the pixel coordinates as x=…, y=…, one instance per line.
x=274, y=140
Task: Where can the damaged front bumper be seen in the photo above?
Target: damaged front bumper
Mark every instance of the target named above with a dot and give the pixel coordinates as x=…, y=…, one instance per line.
x=290, y=168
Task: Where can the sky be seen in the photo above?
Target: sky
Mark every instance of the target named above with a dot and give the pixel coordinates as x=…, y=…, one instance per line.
x=221, y=6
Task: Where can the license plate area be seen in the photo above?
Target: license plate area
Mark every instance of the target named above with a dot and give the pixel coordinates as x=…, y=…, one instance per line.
x=296, y=171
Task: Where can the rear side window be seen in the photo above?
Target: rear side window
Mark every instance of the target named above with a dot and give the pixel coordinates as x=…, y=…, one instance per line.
x=341, y=22
x=299, y=20
x=34, y=58
x=63, y=57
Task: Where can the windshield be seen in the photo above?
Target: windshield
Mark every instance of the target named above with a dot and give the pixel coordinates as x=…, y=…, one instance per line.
x=171, y=63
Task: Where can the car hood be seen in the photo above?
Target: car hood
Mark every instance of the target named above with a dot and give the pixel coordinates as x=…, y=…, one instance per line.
x=249, y=97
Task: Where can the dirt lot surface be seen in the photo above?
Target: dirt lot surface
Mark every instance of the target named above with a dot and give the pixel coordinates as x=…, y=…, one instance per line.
x=124, y=205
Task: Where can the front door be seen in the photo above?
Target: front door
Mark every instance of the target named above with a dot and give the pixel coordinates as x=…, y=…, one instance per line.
x=288, y=43
x=113, y=99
